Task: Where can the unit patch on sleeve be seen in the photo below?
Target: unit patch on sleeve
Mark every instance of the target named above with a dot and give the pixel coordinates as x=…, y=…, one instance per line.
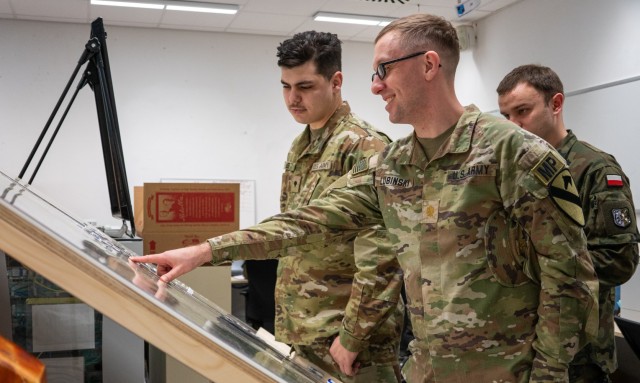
x=621, y=217
x=552, y=172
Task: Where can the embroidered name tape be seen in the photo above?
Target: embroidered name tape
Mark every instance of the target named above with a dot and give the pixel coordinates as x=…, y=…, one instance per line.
x=324, y=165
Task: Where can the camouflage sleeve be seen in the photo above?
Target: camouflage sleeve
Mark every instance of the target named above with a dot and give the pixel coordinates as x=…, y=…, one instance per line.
x=375, y=292
x=547, y=206
x=362, y=148
x=610, y=225
x=335, y=218
x=378, y=280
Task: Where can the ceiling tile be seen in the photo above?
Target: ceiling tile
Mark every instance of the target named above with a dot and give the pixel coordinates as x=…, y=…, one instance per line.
x=65, y=9
x=271, y=17
x=135, y=16
x=344, y=31
x=362, y=7
x=273, y=22
x=214, y=20
x=288, y=7
x=494, y=5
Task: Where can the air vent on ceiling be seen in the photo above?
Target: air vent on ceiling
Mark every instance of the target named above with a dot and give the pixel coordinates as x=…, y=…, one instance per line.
x=389, y=1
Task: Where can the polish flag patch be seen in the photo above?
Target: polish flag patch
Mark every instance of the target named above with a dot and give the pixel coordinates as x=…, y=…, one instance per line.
x=614, y=180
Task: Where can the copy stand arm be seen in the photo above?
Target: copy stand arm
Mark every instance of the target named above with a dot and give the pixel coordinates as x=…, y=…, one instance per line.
x=91, y=48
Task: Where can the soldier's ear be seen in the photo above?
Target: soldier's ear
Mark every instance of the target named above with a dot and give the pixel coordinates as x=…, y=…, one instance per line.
x=557, y=102
x=336, y=81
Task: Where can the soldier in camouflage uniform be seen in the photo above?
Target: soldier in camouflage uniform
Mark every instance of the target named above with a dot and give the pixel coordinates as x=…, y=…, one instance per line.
x=323, y=294
x=482, y=215
x=318, y=291
x=532, y=96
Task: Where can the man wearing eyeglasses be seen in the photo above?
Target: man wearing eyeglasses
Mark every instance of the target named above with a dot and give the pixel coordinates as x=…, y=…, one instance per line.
x=532, y=96
x=483, y=217
x=325, y=297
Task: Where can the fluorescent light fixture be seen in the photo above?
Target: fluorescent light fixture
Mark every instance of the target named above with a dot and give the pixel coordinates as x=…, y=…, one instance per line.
x=190, y=6
x=352, y=19
x=128, y=4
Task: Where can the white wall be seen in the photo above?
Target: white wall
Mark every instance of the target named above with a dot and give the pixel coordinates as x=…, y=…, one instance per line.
x=209, y=105
x=190, y=105
x=588, y=43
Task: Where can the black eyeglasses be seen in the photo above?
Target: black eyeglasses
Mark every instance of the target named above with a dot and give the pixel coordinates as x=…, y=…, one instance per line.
x=381, y=71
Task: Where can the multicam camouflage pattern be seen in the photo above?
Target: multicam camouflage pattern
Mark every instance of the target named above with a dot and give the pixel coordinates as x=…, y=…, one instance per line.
x=324, y=291
x=499, y=283
x=612, y=244
x=368, y=372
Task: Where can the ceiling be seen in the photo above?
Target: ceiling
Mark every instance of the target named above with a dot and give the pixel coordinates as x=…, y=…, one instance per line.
x=262, y=17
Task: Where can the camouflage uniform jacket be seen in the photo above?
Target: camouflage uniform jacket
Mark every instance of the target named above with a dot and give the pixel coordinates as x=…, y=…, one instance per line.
x=318, y=289
x=499, y=284
x=612, y=235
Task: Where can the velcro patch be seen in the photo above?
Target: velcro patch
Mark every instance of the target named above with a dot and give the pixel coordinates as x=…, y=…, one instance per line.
x=621, y=217
x=360, y=166
x=394, y=182
x=564, y=193
x=547, y=168
x=430, y=211
x=324, y=165
x=614, y=180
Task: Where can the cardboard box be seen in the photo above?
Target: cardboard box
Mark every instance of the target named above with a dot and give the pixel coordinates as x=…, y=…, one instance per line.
x=173, y=215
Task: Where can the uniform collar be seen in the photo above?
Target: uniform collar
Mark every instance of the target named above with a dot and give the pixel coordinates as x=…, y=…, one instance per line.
x=567, y=143
x=334, y=121
x=460, y=141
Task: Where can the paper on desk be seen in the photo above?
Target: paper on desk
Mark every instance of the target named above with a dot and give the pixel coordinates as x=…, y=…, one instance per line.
x=271, y=341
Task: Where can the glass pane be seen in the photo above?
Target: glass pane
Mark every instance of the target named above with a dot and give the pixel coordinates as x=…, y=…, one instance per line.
x=174, y=303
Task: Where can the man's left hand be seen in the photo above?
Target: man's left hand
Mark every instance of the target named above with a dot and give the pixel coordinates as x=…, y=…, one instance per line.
x=344, y=358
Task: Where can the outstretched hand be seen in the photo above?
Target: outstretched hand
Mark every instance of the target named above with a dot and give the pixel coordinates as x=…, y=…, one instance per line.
x=173, y=263
x=344, y=358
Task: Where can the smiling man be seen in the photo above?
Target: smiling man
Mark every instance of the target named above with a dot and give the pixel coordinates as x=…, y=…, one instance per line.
x=481, y=215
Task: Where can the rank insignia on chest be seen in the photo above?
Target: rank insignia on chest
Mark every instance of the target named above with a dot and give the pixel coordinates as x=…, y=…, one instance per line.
x=430, y=211
x=294, y=184
x=621, y=217
x=552, y=172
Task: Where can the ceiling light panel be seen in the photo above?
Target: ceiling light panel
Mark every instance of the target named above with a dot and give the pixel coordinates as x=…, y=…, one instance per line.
x=130, y=4
x=191, y=6
x=352, y=19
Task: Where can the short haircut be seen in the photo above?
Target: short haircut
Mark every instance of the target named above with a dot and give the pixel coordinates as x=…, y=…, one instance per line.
x=321, y=47
x=542, y=78
x=429, y=32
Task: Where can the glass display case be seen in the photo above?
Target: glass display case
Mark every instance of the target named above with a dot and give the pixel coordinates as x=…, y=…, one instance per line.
x=96, y=269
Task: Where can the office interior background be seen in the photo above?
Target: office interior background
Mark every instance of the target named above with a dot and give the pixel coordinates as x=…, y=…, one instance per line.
x=207, y=105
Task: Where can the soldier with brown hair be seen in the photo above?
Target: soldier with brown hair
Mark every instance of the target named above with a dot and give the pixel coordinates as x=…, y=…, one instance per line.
x=532, y=96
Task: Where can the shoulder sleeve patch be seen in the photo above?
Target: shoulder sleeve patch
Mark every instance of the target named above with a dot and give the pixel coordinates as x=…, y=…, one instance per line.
x=552, y=171
x=548, y=167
